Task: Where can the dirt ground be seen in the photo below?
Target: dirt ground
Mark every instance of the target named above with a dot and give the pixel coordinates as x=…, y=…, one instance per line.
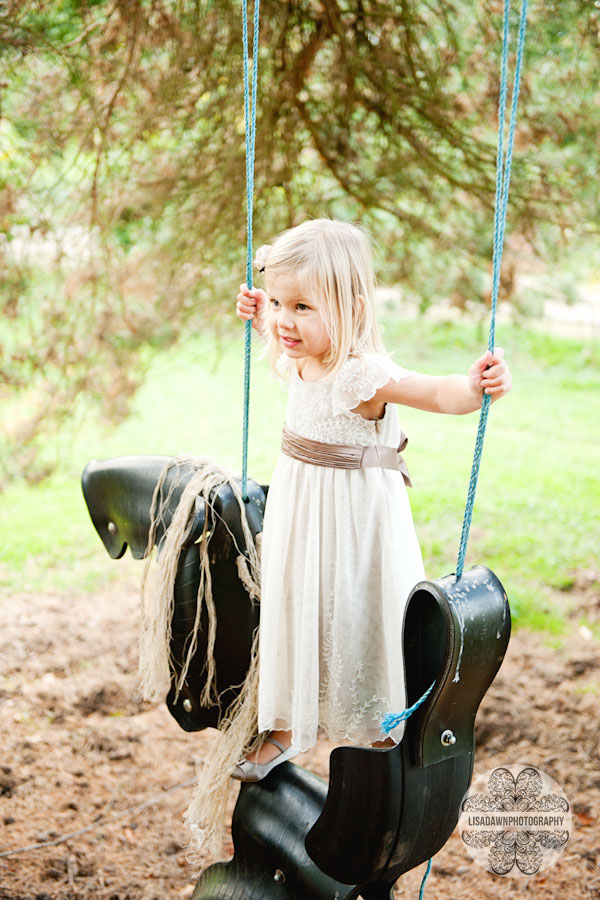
x=81, y=755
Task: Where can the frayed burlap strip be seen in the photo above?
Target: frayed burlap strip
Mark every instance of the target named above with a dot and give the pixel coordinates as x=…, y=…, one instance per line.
x=238, y=736
x=238, y=725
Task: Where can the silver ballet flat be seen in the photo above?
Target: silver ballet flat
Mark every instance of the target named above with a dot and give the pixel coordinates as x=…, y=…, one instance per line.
x=249, y=771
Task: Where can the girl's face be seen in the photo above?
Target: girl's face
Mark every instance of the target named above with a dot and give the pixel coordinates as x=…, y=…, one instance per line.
x=294, y=320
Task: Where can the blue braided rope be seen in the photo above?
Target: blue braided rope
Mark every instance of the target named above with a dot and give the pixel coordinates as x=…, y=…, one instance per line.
x=250, y=124
x=392, y=719
x=388, y=724
x=427, y=871
x=503, y=172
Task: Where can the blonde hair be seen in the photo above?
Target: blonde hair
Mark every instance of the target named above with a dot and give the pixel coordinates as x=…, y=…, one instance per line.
x=333, y=266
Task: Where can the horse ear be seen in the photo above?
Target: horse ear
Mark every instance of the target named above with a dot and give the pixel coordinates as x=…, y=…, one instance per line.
x=118, y=493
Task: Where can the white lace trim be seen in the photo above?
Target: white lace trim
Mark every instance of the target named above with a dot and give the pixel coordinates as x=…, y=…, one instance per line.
x=312, y=412
x=359, y=379
x=344, y=710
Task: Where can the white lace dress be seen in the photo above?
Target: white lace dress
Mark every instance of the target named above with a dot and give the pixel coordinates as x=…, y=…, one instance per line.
x=339, y=558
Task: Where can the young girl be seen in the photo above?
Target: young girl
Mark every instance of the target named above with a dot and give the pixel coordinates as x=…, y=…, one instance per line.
x=339, y=552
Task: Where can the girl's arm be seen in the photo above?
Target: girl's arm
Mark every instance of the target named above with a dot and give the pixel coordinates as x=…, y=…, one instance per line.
x=455, y=394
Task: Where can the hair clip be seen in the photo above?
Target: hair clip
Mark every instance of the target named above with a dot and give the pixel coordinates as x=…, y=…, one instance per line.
x=260, y=260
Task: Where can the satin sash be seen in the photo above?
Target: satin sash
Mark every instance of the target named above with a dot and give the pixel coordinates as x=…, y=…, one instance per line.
x=345, y=456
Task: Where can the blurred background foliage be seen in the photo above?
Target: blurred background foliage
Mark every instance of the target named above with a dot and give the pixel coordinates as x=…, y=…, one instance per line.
x=122, y=174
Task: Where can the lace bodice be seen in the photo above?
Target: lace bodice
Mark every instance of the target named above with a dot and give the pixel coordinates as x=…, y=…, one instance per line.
x=322, y=410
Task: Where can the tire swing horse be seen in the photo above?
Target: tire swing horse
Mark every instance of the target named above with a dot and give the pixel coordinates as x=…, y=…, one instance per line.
x=384, y=811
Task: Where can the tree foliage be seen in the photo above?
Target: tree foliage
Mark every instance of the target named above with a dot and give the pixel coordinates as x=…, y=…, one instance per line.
x=123, y=174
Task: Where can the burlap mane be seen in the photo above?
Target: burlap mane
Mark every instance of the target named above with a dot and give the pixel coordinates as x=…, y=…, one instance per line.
x=238, y=724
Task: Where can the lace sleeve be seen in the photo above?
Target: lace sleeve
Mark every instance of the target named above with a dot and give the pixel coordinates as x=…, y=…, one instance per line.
x=360, y=377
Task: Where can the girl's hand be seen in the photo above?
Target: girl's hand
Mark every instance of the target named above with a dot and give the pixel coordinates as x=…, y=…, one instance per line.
x=251, y=304
x=490, y=375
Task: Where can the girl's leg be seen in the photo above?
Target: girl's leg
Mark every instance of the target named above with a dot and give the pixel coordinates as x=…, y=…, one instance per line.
x=268, y=751
x=384, y=745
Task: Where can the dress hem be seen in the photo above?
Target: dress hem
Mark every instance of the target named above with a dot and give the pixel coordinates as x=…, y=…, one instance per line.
x=333, y=738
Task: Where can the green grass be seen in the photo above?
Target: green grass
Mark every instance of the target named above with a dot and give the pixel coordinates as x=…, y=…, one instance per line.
x=536, y=512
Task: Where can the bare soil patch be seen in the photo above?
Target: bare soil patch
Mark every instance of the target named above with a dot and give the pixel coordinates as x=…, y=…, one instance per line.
x=80, y=750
